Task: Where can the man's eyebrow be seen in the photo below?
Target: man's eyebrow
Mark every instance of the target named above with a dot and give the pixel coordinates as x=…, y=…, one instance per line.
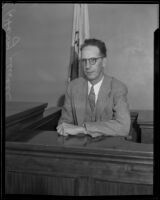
x=88, y=58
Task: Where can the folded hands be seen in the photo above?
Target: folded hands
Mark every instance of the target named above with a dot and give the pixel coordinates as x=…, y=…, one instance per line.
x=66, y=129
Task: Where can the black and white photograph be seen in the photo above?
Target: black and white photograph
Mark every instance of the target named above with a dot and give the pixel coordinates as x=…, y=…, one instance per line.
x=79, y=86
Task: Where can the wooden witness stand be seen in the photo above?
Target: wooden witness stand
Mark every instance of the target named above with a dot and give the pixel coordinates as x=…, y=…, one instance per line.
x=38, y=161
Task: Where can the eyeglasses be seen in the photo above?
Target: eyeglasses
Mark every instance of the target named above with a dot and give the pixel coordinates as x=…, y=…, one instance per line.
x=92, y=61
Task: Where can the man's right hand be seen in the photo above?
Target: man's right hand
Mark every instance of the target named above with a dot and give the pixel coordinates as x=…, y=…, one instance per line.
x=69, y=129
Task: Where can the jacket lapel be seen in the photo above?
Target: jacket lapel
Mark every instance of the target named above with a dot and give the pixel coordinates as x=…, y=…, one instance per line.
x=80, y=102
x=103, y=97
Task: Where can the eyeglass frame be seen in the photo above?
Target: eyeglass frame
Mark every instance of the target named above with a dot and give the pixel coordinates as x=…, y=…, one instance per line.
x=90, y=60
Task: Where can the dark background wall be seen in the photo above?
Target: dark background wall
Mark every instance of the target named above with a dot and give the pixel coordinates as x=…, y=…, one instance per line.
x=39, y=39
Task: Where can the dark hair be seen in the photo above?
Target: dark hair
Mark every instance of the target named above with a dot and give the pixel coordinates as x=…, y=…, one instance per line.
x=95, y=42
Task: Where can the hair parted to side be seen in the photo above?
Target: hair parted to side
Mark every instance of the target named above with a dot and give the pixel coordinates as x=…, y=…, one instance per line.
x=95, y=42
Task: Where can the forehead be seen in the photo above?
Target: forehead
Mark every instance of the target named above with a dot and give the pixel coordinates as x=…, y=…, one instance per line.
x=90, y=51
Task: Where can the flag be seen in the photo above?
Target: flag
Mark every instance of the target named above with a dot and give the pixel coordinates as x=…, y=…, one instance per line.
x=80, y=32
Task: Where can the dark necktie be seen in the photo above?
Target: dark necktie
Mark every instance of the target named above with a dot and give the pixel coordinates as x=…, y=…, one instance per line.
x=91, y=98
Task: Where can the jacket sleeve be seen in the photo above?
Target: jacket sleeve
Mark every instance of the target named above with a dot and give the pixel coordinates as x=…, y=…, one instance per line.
x=66, y=115
x=120, y=124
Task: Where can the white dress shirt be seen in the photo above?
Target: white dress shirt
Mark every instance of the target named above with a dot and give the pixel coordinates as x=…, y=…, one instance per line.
x=96, y=88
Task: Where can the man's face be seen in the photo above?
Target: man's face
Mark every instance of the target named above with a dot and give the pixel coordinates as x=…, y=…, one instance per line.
x=94, y=69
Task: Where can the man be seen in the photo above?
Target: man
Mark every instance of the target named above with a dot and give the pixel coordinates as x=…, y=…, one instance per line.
x=96, y=104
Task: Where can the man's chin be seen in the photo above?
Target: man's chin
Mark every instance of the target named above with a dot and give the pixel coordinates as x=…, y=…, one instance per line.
x=90, y=77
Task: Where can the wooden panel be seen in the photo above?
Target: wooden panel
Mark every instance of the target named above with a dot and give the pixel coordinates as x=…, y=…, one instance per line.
x=85, y=186
x=21, y=115
x=17, y=111
x=145, y=117
x=24, y=183
x=145, y=121
x=49, y=121
x=77, y=168
x=111, y=170
x=32, y=183
x=114, y=188
x=147, y=135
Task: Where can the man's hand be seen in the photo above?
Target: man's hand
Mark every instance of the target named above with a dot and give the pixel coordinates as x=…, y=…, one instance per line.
x=95, y=134
x=69, y=129
x=92, y=131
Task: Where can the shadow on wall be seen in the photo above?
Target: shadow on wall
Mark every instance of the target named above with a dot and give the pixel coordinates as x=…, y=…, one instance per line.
x=60, y=101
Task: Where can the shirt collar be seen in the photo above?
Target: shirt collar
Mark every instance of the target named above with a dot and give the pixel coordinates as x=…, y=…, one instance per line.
x=96, y=86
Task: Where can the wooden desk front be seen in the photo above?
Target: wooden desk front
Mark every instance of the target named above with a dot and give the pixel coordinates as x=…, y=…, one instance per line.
x=42, y=162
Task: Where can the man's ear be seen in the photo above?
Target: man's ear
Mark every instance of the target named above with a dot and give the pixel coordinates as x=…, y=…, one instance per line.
x=104, y=61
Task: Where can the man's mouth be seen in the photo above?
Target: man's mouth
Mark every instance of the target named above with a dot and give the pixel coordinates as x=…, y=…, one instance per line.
x=89, y=72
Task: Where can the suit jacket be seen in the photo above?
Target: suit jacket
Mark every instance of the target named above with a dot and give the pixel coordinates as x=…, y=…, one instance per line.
x=112, y=110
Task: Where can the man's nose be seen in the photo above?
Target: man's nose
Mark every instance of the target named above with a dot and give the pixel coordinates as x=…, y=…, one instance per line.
x=87, y=65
